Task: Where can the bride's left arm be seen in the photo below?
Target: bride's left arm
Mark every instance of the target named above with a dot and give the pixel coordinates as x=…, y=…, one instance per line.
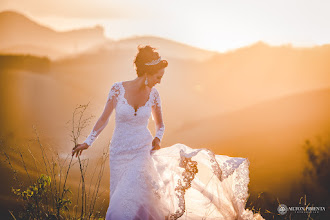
x=158, y=118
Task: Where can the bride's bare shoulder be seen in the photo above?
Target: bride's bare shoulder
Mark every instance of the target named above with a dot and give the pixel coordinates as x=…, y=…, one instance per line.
x=122, y=82
x=127, y=84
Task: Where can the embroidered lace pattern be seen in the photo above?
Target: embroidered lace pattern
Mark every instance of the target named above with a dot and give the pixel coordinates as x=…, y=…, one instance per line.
x=242, y=180
x=238, y=167
x=216, y=168
x=158, y=110
x=110, y=104
x=190, y=170
x=117, y=94
x=91, y=138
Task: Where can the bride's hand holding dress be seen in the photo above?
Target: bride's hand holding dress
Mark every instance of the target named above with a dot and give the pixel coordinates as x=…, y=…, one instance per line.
x=156, y=144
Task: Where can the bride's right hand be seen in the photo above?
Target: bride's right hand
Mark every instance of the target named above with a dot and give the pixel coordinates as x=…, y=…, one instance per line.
x=78, y=149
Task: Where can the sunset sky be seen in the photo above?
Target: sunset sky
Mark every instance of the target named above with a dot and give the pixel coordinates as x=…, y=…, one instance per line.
x=218, y=25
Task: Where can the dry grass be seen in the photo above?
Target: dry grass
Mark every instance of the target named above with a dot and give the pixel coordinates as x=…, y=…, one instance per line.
x=43, y=190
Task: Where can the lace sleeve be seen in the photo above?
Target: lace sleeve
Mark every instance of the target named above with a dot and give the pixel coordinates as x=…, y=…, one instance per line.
x=157, y=115
x=104, y=118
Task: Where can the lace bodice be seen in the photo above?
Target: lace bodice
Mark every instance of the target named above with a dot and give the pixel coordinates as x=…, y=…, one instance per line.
x=126, y=116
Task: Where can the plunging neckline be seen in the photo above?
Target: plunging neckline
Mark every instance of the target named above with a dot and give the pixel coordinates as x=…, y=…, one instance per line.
x=135, y=110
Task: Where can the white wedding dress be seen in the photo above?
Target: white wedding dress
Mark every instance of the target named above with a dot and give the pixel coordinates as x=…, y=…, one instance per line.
x=175, y=182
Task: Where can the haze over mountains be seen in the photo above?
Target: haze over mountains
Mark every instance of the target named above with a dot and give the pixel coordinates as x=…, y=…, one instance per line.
x=20, y=34
x=270, y=133
x=258, y=101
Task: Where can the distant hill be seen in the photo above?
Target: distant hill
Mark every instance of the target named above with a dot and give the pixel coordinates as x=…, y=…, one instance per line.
x=17, y=29
x=25, y=62
x=21, y=34
x=20, y=49
x=223, y=83
x=166, y=47
x=270, y=133
x=271, y=115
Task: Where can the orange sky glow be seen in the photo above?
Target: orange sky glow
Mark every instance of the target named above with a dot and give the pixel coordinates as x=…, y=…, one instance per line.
x=211, y=24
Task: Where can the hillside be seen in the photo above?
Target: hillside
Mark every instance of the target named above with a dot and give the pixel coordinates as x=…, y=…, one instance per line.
x=270, y=133
x=19, y=30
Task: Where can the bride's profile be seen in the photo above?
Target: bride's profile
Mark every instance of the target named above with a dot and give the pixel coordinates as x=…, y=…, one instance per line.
x=148, y=181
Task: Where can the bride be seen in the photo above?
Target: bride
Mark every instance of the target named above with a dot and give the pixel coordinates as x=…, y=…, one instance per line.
x=150, y=182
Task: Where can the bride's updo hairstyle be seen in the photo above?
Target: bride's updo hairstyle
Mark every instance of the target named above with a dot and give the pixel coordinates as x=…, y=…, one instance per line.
x=145, y=55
